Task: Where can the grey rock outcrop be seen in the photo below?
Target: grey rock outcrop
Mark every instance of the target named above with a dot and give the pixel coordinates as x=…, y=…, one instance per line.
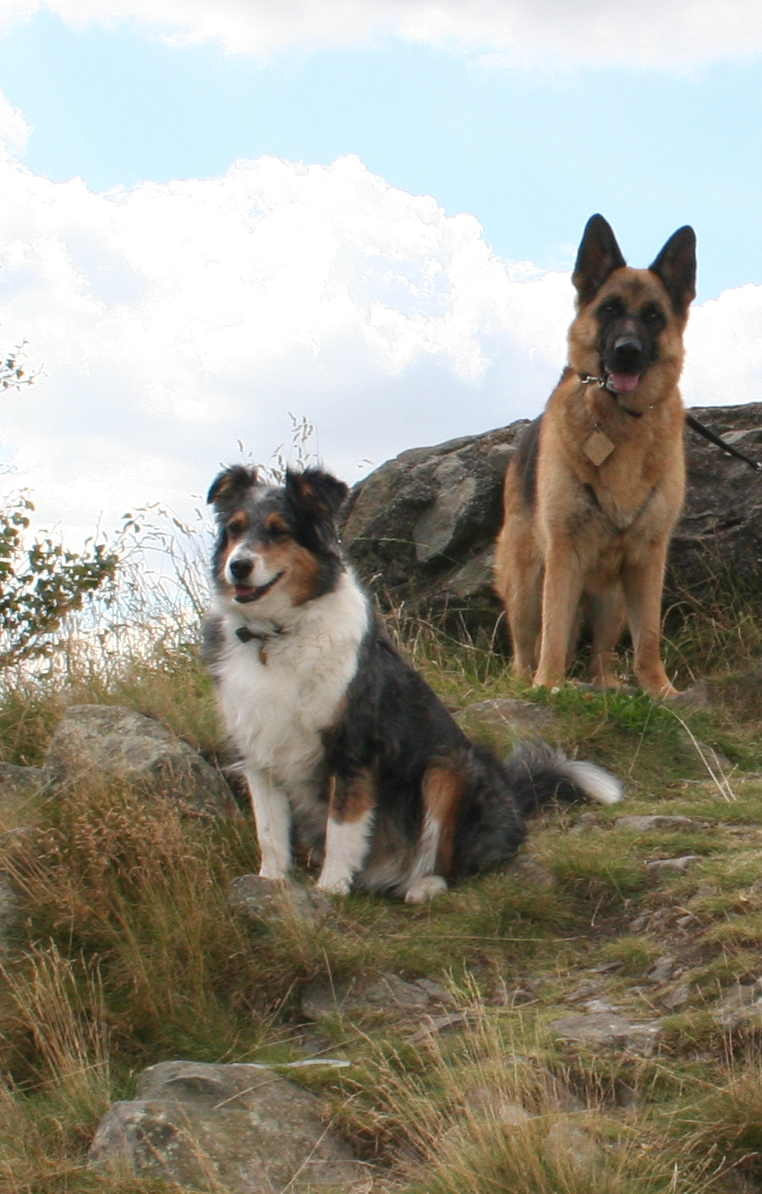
x=240, y=1127
x=118, y=744
x=421, y=528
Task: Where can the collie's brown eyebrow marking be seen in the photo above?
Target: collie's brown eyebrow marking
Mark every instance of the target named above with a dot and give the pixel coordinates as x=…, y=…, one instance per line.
x=237, y=524
x=274, y=522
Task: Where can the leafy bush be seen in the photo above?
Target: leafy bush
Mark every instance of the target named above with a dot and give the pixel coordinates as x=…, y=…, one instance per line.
x=40, y=584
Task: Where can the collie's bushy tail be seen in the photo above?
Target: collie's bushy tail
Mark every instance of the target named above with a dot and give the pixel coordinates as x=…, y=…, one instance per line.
x=539, y=773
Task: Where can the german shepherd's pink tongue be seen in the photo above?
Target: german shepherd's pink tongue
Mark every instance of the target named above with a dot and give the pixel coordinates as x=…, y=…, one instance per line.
x=623, y=383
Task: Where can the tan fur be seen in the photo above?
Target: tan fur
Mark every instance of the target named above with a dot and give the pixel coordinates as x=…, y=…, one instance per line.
x=299, y=565
x=442, y=789
x=596, y=538
x=349, y=802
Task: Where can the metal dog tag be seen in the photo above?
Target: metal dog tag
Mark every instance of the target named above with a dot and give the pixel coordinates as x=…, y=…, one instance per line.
x=598, y=448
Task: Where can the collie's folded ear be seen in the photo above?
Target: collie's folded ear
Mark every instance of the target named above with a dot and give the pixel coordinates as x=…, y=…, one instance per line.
x=315, y=492
x=231, y=484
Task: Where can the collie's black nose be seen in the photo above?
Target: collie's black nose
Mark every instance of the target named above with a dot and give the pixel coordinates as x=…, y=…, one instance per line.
x=240, y=568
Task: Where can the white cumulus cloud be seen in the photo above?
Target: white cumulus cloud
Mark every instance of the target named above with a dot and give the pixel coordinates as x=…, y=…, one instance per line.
x=14, y=130
x=173, y=320
x=669, y=34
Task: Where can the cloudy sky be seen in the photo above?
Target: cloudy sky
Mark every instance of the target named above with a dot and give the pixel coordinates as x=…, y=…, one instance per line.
x=359, y=211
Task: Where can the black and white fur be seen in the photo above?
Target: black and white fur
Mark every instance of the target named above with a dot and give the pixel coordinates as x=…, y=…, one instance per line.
x=344, y=746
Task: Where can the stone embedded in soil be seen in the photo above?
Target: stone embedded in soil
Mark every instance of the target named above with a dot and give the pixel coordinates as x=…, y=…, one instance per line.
x=585, y=823
x=607, y=1030
x=579, y=1146
x=702, y=759
x=741, y=1007
x=586, y=989
x=698, y=696
x=236, y=1127
x=20, y=783
x=106, y=742
x=390, y=994
x=532, y=873
x=273, y=899
x=520, y=718
x=662, y=971
x=666, y=866
x=676, y=998
x=491, y=1102
x=433, y=1025
x=9, y=913
x=651, y=824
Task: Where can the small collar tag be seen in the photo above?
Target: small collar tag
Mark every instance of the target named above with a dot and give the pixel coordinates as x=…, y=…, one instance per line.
x=598, y=447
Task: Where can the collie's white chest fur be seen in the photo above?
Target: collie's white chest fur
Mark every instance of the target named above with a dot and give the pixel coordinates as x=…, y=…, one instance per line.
x=275, y=711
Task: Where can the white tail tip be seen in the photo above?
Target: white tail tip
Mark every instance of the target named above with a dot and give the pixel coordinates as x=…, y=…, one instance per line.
x=596, y=783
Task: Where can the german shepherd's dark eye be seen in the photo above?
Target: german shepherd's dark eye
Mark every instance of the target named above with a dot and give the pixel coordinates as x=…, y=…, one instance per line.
x=611, y=307
x=652, y=316
x=236, y=527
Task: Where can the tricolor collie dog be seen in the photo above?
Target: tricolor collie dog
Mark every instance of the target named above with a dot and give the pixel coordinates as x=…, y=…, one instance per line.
x=347, y=752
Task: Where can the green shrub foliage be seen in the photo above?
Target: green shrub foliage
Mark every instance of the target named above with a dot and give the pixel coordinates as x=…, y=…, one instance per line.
x=40, y=584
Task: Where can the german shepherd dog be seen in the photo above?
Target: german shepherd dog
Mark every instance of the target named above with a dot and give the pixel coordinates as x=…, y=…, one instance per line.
x=597, y=482
x=347, y=751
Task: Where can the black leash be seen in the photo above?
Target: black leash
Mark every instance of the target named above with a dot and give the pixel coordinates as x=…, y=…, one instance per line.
x=720, y=443
x=694, y=424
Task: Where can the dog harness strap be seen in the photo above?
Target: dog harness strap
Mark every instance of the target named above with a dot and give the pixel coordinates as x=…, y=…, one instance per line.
x=721, y=443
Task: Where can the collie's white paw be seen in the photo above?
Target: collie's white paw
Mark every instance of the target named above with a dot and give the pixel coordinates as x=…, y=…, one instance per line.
x=275, y=873
x=425, y=889
x=339, y=886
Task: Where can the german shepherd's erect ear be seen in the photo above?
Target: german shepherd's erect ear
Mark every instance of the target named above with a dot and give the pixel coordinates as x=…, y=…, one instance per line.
x=676, y=269
x=598, y=256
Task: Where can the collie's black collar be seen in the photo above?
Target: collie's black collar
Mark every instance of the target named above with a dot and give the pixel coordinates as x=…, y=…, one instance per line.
x=261, y=636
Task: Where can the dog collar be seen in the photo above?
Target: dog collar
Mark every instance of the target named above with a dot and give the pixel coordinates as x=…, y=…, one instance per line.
x=246, y=635
x=263, y=637
x=587, y=379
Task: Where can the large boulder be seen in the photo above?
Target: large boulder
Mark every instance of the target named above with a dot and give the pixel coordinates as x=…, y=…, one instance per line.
x=421, y=528
x=237, y=1127
x=112, y=743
